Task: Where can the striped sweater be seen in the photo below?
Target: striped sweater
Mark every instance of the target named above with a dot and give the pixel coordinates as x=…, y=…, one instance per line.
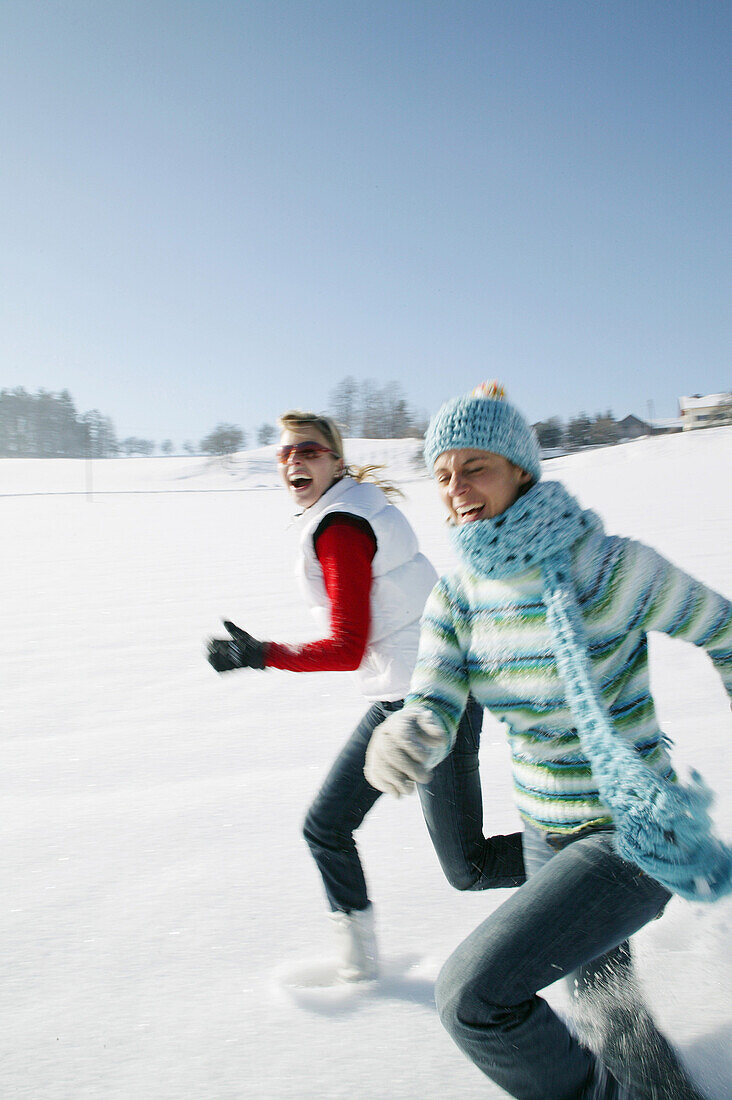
x=491, y=638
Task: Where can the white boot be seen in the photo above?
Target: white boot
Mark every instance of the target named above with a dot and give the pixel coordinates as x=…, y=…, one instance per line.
x=356, y=941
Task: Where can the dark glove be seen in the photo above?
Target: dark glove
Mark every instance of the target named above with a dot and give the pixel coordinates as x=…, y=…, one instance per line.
x=240, y=651
x=504, y=862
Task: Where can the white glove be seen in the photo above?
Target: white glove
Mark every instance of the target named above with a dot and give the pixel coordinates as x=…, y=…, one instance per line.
x=403, y=750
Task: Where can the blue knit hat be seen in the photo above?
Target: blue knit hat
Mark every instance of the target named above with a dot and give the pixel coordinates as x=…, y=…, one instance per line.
x=485, y=421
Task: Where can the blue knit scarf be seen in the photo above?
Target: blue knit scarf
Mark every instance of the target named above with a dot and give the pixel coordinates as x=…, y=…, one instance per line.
x=662, y=827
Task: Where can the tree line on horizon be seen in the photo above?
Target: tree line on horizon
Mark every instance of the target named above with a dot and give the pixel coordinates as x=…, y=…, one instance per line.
x=48, y=425
x=580, y=431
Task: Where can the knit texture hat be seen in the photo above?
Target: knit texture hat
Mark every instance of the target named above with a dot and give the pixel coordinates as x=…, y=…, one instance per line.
x=485, y=421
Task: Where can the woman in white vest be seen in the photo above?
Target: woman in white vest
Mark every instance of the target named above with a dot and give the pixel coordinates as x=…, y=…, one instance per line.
x=366, y=581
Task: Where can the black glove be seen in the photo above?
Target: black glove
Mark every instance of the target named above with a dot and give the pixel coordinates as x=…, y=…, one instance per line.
x=241, y=651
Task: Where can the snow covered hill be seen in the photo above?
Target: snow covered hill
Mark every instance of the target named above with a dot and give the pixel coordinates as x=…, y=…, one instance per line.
x=255, y=469
x=154, y=877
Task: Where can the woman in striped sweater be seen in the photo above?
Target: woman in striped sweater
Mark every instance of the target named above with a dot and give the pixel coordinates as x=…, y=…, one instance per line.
x=366, y=582
x=545, y=622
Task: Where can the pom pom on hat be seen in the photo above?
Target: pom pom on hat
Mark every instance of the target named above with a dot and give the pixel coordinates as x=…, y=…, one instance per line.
x=483, y=420
x=492, y=389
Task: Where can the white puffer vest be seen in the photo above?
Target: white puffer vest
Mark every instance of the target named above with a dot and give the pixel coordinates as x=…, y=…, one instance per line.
x=402, y=580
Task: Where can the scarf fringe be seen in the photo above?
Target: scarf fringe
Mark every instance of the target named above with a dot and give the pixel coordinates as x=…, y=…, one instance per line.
x=662, y=827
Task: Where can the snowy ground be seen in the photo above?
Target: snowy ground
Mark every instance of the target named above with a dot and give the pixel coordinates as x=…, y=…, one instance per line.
x=154, y=874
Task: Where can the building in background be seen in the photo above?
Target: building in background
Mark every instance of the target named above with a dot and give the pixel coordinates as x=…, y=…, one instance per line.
x=705, y=411
x=632, y=427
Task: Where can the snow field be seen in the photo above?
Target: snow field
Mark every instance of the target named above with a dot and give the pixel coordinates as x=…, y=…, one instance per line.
x=155, y=878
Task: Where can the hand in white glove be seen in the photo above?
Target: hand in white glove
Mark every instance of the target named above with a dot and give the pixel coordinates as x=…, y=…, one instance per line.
x=403, y=750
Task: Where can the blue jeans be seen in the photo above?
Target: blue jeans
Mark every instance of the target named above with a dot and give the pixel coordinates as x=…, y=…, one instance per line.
x=452, y=807
x=613, y=970
x=452, y=804
x=583, y=902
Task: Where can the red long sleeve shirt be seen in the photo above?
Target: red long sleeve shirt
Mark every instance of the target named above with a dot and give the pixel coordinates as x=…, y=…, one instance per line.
x=345, y=549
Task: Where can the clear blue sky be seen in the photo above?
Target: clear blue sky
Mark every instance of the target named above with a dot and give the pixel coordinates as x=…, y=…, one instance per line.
x=217, y=210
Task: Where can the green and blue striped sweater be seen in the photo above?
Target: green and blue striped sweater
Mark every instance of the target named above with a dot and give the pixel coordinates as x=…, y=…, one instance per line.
x=490, y=637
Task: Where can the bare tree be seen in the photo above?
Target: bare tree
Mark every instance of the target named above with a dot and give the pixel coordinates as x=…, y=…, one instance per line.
x=397, y=417
x=578, y=432
x=550, y=433
x=135, y=446
x=371, y=409
x=604, y=429
x=99, y=430
x=375, y=412
x=344, y=402
x=265, y=434
x=225, y=439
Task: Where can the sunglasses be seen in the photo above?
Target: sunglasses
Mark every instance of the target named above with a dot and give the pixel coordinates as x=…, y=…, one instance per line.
x=307, y=450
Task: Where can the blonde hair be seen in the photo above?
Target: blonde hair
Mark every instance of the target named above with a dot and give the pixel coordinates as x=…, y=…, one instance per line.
x=295, y=420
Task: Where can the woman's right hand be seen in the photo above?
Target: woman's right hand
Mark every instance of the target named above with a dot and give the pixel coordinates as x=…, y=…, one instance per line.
x=403, y=750
x=240, y=650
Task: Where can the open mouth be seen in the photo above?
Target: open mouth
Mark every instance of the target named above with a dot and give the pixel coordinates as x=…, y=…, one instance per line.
x=300, y=482
x=470, y=512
